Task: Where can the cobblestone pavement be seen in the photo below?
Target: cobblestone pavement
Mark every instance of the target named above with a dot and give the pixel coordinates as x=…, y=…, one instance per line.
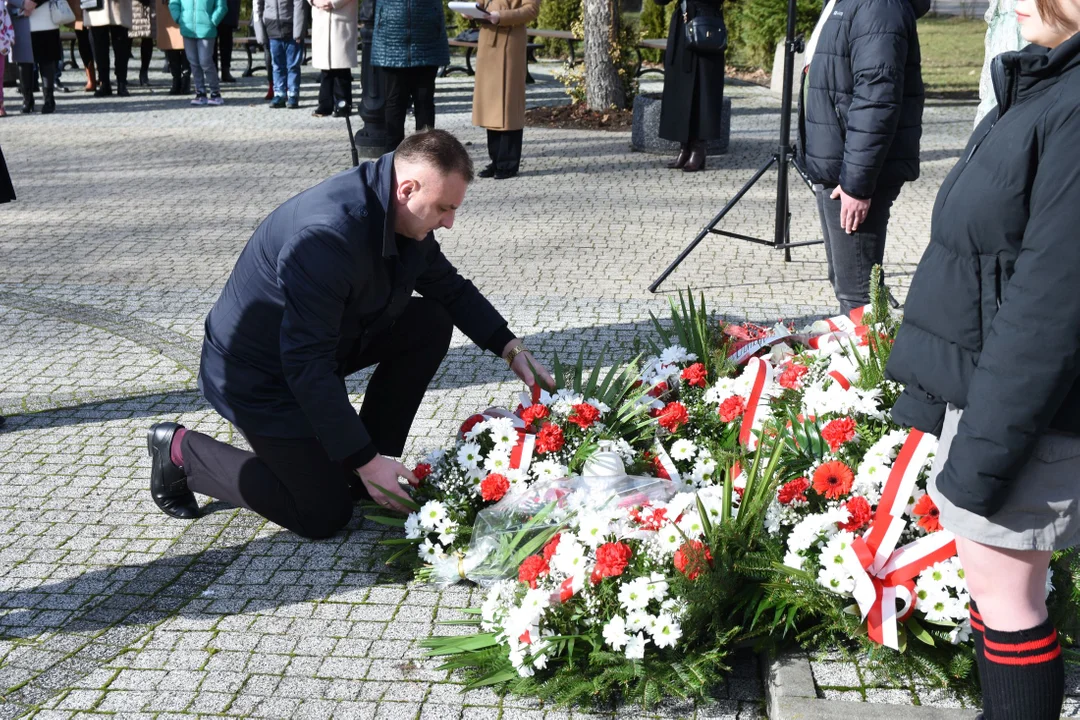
x=131, y=215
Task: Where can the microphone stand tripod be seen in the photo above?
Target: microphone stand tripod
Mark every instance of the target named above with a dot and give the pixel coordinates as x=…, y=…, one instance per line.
x=782, y=158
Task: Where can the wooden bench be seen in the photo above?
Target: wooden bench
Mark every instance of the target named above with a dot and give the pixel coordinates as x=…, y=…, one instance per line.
x=648, y=44
x=250, y=44
x=470, y=48
x=564, y=35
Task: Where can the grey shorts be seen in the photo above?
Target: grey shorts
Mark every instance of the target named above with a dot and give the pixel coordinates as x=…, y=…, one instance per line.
x=1042, y=511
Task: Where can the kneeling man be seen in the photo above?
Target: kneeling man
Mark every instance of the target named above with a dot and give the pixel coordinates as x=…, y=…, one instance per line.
x=323, y=289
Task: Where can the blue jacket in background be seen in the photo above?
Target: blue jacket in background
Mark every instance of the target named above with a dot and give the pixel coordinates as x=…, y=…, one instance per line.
x=409, y=33
x=321, y=277
x=198, y=19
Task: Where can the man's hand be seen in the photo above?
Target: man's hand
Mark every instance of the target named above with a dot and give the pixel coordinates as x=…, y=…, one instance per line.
x=852, y=210
x=524, y=364
x=383, y=473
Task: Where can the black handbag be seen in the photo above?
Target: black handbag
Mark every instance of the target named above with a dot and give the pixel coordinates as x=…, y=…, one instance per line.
x=705, y=34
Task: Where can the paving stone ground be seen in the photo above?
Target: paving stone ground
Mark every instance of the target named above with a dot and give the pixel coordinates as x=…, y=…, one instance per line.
x=131, y=213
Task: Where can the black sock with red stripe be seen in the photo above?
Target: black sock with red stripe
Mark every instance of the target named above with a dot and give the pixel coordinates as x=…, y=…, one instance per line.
x=1025, y=673
x=977, y=633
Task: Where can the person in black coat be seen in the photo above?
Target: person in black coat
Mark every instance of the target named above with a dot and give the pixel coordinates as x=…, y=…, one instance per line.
x=7, y=190
x=225, y=42
x=989, y=353
x=861, y=121
x=692, y=107
x=323, y=289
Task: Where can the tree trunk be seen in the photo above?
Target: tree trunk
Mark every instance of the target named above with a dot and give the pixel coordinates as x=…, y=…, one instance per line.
x=603, y=87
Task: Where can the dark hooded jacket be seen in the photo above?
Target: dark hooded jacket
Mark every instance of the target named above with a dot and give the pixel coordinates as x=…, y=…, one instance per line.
x=862, y=109
x=323, y=275
x=992, y=321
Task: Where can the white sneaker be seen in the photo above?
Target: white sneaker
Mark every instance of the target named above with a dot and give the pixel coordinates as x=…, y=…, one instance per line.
x=199, y=99
x=216, y=99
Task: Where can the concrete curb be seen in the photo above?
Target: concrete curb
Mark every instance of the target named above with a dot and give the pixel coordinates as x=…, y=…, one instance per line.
x=790, y=694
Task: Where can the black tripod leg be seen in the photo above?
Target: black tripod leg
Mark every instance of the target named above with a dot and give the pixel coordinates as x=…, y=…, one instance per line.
x=712, y=223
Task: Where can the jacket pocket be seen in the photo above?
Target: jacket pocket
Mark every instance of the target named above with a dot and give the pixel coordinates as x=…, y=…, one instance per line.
x=841, y=121
x=990, y=282
x=1053, y=447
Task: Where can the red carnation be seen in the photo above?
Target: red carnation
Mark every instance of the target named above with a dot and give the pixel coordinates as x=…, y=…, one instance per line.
x=692, y=558
x=421, y=471
x=531, y=568
x=859, y=514
x=838, y=432
x=494, y=487
x=792, y=376
x=533, y=413
x=525, y=638
x=794, y=490
x=833, y=479
x=549, y=439
x=551, y=546
x=928, y=514
x=732, y=408
x=673, y=416
x=471, y=423
x=584, y=415
x=658, y=390
x=695, y=375
x=611, y=560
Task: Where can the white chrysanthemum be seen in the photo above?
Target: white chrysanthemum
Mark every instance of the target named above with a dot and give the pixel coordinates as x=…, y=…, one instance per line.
x=668, y=539
x=691, y=525
x=477, y=430
x=569, y=556
x=517, y=658
x=638, y=620
x=602, y=407
x=447, y=530
x=836, y=579
x=497, y=462
x=940, y=574
x=537, y=601
x=540, y=661
x=665, y=631
x=704, y=468
x=593, y=528
x=428, y=551
x=676, y=354
x=961, y=633
x=468, y=455
x=502, y=431
x=935, y=603
x=413, y=528
x=683, y=450
x=720, y=391
x=435, y=457
x=614, y=633
x=794, y=560
x=635, y=647
x=658, y=586
x=635, y=595
x=431, y=514
x=548, y=470
x=833, y=552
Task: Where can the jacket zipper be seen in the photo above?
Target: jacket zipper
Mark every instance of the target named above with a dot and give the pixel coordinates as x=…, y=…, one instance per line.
x=840, y=119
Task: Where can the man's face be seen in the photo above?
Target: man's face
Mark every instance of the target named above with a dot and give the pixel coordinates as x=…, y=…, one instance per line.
x=425, y=200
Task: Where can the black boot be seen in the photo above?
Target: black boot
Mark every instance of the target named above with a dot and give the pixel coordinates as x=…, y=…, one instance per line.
x=186, y=82
x=104, y=89
x=48, y=74
x=144, y=78
x=697, y=157
x=26, y=86
x=168, y=482
x=680, y=161
x=122, y=90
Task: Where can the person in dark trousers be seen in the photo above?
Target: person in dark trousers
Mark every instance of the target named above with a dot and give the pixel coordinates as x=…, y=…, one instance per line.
x=323, y=289
x=7, y=190
x=45, y=40
x=860, y=122
x=141, y=35
x=109, y=26
x=691, y=112
x=225, y=41
x=333, y=51
x=284, y=23
x=410, y=44
x=988, y=353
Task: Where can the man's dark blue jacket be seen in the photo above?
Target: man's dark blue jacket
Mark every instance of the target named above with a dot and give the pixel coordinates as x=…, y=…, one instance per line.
x=321, y=276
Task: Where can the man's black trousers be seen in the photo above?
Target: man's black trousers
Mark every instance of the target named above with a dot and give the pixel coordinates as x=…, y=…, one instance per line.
x=292, y=481
x=409, y=86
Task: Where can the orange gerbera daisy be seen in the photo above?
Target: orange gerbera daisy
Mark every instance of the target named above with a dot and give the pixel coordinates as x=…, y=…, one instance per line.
x=927, y=513
x=833, y=479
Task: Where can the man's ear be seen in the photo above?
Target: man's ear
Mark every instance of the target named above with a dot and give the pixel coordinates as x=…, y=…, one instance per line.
x=406, y=189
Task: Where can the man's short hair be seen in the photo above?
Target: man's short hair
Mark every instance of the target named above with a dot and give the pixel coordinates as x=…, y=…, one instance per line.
x=438, y=149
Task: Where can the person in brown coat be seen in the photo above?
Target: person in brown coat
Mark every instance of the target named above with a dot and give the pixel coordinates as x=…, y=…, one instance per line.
x=499, y=93
x=172, y=43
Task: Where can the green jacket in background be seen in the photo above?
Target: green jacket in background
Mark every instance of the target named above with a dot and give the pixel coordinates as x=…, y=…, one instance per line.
x=198, y=18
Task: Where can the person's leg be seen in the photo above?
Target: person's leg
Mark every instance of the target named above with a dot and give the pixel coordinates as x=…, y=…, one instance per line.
x=122, y=51
x=191, y=49
x=209, y=70
x=326, y=95
x=397, y=103
x=821, y=198
x=3, y=68
x=86, y=54
x=26, y=86
x=100, y=39
x=294, y=53
x=146, y=54
x=278, y=60
x=290, y=481
x=424, y=96
x=269, y=64
x=48, y=87
x=173, y=58
x=225, y=46
x=343, y=87
x=852, y=255
x=510, y=156
x=408, y=355
x=1024, y=670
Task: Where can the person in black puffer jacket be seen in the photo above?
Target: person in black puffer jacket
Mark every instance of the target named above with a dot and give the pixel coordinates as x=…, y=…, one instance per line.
x=860, y=124
x=989, y=353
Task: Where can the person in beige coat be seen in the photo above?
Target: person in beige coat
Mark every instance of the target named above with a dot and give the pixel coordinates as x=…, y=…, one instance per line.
x=108, y=25
x=171, y=42
x=333, y=50
x=499, y=94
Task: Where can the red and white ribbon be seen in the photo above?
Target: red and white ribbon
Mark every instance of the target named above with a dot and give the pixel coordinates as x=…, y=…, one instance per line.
x=840, y=379
x=884, y=574
x=522, y=454
x=762, y=375
x=666, y=463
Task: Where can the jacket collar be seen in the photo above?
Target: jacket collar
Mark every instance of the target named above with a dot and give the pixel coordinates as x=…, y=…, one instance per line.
x=1021, y=74
x=378, y=176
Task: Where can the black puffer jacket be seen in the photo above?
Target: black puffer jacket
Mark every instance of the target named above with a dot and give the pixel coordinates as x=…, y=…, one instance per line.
x=862, y=110
x=992, y=322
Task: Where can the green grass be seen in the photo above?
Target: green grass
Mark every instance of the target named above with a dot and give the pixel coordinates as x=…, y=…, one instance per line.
x=952, y=55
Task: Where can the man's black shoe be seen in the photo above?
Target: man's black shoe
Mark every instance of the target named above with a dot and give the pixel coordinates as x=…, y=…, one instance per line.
x=504, y=174
x=168, y=483
x=487, y=172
